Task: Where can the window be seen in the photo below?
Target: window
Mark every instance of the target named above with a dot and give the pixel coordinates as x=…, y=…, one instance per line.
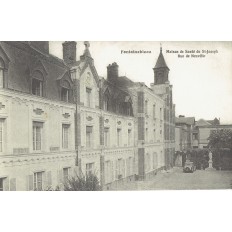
x=66, y=173
x=106, y=137
x=38, y=181
x=160, y=113
x=37, y=83
x=1, y=135
x=37, y=136
x=147, y=162
x=154, y=135
x=1, y=75
x=64, y=94
x=89, y=134
x=129, y=137
x=119, y=137
x=146, y=134
x=89, y=169
x=108, y=171
x=1, y=184
x=121, y=168
x=37, y=87
x=146, y=106
x=130, y=166
x=154, y=111
x=65, y=136
x=88, y=97
x=154, y=160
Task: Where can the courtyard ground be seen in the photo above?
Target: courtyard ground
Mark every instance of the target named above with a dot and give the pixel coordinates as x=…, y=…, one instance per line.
x=175, y=179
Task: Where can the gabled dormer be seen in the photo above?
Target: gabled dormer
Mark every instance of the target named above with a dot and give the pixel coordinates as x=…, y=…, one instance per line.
x=38, y=79
x=65, y=87
x=4, y=65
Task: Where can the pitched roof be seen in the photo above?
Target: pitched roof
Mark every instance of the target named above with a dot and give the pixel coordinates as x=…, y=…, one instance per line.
x=124, y=82
x=203, y=122
x=24, y=59
x=185, y=120
x=160, y=63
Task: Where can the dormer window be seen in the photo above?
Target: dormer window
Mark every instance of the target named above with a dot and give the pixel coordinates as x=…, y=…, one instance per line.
x=106, y=103
x=65, y=88
x=37, y=87
x=64, y=94
x=37, y=83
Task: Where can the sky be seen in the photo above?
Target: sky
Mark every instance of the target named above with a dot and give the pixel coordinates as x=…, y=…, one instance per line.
x=202, y=86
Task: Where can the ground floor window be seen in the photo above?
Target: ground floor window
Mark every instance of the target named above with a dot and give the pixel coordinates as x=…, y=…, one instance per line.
x=38, y=181
x=66, y=173
x=1, y=184
x=89, y=169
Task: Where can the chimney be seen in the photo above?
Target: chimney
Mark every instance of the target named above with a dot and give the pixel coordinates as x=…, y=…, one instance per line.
x=181, y=116
x=42, y=46
x=69, y=51
x=112, y=72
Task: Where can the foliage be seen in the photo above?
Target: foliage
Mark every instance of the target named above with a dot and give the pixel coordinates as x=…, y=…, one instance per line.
x=90, y=182
x=220, y=139
x=200, y=157
x=220, y=142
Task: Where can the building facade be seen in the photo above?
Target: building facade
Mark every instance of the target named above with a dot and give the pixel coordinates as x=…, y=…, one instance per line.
x=37, y=111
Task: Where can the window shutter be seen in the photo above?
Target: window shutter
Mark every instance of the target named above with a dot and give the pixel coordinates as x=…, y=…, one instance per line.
x=127, y=167
x=112, y=171
x=30, y=183
x=49, y=178
x=116, y=169
x=123, y=168
x=13, y=184
x=133, y=166
x=6, y=184
x=44, y=181
x=59, y=177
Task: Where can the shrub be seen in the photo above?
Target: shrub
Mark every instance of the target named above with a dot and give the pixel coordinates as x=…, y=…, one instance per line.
x=81, y=182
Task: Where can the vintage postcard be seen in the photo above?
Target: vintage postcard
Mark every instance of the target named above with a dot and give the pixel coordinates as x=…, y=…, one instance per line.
x=91, y=115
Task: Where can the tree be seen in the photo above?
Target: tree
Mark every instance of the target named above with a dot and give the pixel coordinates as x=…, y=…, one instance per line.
x=219, y=142
x=220, y=139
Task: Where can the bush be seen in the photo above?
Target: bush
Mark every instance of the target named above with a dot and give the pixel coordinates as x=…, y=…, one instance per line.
x=81, y=182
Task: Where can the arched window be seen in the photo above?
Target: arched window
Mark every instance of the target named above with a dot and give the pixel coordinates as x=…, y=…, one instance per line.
x=37, y=83
x=2, y=66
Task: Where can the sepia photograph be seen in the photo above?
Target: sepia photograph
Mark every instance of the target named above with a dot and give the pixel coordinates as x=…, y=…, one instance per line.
x=115, y=116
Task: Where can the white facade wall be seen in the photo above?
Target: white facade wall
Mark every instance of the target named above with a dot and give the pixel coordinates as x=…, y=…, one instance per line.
x=18, y=160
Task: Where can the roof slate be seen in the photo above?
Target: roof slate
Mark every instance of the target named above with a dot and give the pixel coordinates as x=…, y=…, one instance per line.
x=160, y=63
x=24, y=59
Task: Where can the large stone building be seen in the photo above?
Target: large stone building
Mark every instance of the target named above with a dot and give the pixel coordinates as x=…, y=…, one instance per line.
x=59, y=118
